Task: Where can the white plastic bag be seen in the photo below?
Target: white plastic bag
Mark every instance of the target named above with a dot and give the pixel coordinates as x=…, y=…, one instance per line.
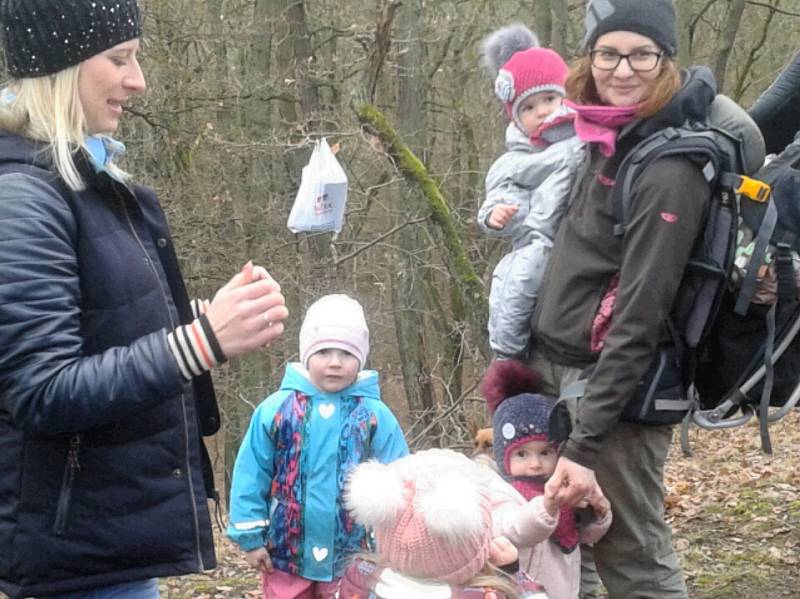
x=322, y=197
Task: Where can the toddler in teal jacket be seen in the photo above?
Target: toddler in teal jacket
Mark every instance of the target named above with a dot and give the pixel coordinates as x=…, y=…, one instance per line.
x=286, y=508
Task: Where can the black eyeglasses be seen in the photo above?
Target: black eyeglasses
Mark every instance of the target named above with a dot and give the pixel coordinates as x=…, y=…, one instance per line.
x=640, y=61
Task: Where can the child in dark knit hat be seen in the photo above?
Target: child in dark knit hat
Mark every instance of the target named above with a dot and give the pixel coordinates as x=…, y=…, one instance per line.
x=528, y=186
x=526, y=456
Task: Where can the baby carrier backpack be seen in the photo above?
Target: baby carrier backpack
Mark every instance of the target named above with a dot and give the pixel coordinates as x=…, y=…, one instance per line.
x=734, y=348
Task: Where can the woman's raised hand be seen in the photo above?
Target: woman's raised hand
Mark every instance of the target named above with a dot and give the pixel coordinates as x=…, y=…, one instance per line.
x=247, y=312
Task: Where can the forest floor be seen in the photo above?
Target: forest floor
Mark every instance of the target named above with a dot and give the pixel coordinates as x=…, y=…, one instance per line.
x=735, y=512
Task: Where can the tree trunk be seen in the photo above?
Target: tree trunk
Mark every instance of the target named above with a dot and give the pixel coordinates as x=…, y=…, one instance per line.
x=304, y=60
x=726, y=40
x=559, y=27
x=294, y=49
x=685, y=32
x=543, y=21
x=466, y=281
x=407, y=289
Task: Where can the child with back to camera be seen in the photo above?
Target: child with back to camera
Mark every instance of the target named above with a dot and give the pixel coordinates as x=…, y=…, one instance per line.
x=526, y=456
x=303, y=440
x=528, y=187
x=435, y=515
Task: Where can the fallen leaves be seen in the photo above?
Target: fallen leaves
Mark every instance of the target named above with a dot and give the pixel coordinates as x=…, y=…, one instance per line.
x=735, y=511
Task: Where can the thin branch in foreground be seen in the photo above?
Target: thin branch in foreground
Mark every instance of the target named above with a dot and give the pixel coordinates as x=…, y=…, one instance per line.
x=378, y=239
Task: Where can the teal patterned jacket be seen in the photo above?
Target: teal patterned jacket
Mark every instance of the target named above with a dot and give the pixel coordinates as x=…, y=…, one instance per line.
x=291, y=468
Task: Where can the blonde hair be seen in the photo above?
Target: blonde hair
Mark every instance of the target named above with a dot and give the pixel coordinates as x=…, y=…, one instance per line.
x=581, y=88
x=490, y=577
x=494, y=578
x=49, y=109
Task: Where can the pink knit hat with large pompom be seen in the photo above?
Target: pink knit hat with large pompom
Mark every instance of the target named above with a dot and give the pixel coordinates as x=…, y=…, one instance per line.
x=529, y=72
x=430, y=511
x=521, y=68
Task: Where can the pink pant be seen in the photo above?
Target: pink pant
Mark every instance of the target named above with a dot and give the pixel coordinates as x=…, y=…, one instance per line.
x=280, y=585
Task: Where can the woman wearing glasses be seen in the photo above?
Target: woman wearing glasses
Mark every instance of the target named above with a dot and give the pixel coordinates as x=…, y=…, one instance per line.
x=605, y=297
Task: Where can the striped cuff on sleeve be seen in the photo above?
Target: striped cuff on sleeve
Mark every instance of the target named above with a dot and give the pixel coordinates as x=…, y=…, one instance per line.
x=199, y=306
x=195, y=347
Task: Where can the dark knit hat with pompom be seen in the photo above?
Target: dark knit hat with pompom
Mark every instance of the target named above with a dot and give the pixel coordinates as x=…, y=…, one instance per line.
x=519, y=413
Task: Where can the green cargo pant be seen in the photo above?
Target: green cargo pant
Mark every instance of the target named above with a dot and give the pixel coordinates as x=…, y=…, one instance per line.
x=635, y=559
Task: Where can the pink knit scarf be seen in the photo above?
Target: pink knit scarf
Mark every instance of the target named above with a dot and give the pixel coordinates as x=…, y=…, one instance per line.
x=601, y=124
x=566, y=534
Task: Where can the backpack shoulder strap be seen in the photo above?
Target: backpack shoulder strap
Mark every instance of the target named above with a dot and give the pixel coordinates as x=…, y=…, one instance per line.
x=701, y=145
x=716, y=152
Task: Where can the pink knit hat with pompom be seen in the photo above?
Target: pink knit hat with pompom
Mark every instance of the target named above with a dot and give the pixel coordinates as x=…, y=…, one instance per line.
x=430, y=511
x=520, y=67
x=529, y=72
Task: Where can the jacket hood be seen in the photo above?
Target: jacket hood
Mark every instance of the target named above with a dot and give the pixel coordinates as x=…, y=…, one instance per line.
x=17, y=149
x=698, y=101
x=691, y=103
x=517, y=141
x=393, y=585
x=556, y=127
x=296, y=378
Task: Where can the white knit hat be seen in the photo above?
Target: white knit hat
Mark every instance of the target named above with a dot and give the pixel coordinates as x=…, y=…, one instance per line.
x=334, y=322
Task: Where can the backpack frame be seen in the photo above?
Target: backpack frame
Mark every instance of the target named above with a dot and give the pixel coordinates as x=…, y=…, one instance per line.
x=705, y=296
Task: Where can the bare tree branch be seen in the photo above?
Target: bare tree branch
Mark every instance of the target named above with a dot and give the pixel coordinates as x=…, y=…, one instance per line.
x=380, y=48
x=378, y=239
x=774, y=9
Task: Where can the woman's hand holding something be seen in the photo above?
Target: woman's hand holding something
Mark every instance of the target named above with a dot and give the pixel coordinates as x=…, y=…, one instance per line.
x=600, y=506
x=572, y=484
x=247, y=312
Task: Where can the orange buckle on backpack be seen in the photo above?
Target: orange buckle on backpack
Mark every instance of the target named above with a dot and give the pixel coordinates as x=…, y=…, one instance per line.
x=754, y=189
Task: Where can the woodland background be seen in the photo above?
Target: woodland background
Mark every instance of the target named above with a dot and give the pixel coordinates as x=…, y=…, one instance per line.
x=238, y=90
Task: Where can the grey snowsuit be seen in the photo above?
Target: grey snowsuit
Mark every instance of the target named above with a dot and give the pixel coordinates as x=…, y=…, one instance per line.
x=538, y=180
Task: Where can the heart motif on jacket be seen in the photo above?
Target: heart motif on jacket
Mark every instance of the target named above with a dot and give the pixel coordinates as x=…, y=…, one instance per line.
x=320, y=553
x=326, y=410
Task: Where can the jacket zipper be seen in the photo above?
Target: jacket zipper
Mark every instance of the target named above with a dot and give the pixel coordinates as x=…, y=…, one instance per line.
x=71, y=469
x=183, y=395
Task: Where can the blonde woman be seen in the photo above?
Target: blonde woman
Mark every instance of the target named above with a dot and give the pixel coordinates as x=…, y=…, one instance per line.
x=105, y=391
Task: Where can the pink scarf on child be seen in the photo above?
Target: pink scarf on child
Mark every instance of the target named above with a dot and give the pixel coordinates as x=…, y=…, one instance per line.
x=601, y=124
x=566, y=534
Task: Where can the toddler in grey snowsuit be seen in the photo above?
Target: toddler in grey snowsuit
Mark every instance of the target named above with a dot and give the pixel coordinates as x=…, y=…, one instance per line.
x=528, y=187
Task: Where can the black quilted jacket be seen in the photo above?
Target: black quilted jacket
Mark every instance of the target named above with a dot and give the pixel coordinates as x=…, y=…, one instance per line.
x=101, y=458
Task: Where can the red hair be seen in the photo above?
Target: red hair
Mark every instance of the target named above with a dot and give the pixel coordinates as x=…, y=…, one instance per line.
x=581, y=87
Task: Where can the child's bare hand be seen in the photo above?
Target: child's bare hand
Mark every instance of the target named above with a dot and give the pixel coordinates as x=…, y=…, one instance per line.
x=502, y=552
x=551, y=502
x=501, y=215
x=258, y=559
